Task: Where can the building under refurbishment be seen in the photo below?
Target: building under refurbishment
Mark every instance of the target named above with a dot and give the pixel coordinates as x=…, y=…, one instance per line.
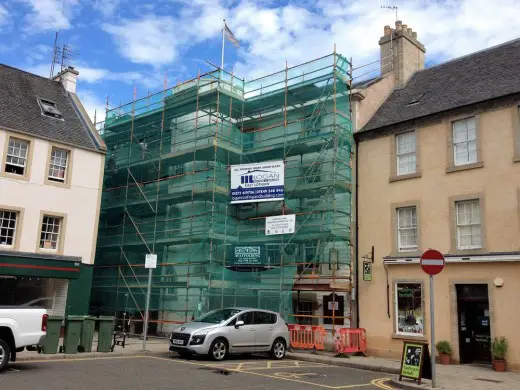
x=168, y=190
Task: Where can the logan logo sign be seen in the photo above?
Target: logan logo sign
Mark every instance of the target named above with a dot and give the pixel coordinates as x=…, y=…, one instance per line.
x=262, y=182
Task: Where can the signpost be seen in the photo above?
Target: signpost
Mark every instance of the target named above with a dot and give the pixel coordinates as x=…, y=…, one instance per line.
x=432, y=262
x=150, y=262
x=367, y=271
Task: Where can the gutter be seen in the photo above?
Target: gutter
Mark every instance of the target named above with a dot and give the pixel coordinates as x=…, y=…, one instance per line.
x=356, y=207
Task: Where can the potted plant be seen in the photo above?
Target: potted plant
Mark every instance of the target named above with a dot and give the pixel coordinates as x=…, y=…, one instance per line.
x=499, y=348
x=444, y=349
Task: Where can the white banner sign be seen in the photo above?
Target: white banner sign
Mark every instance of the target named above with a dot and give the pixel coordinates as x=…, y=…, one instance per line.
x=262, y=182
x=150, y=261
x=280, y=224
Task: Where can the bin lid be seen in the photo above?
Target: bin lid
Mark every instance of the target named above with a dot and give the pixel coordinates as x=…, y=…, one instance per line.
x=106, y=318
x=55, y=318
x=90, y=318
x=75, y=318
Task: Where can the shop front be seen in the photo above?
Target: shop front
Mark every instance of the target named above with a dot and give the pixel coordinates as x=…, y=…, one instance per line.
x=61, y=284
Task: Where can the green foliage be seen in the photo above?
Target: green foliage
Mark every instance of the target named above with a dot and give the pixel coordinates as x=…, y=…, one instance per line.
x=499, y=347
x=443, y=347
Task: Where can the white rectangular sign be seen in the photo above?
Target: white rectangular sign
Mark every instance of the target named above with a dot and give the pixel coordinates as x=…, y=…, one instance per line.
x=280, y=224
x=150, y=261
x=261, y=182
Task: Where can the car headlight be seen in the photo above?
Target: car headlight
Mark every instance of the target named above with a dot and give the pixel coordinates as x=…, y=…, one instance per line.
x=202, y=332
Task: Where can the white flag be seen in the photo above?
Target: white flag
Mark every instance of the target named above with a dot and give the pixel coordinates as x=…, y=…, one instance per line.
x=229, y=35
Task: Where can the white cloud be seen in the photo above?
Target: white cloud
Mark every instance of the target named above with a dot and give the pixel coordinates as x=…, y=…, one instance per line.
x=4, y=15
x=150, y=40
x=107, y=8
x=48, y=15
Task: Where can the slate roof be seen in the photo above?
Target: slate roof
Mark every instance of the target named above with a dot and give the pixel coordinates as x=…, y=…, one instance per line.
x=485, y=75
x=20, y=111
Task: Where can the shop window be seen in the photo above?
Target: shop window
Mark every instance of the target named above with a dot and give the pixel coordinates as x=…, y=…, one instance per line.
x=409, y=309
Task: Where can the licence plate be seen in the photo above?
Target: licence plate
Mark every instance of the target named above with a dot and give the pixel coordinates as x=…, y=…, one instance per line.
x=177, y=342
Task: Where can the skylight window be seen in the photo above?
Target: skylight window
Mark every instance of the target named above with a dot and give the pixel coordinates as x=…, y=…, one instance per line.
x=416, y=99
x=49, y=109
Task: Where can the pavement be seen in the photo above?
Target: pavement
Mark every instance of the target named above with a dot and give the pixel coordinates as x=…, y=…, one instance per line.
x=354, y=370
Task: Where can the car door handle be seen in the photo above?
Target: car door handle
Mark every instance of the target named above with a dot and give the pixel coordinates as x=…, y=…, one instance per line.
x=251, y=330
x=271, y=328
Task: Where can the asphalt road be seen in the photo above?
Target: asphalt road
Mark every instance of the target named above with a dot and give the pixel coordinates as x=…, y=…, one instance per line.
x=147, y=372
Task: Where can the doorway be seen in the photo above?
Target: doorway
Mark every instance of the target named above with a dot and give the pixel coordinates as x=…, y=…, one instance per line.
x=474, y=323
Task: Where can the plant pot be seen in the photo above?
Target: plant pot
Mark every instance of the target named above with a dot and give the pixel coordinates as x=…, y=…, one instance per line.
x=444, y=358
x=499, y=365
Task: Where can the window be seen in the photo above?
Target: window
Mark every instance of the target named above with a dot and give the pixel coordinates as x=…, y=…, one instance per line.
x=49, y=109
x=262, y=318
x=464, y=142
x=311, y=257
x=304, y=308
x=58, y=165
x=16, y=159
x=405, y=151
x=274, y=256
x=409, y=310
x=50, y=233
x=7, y=228
x=407, y=229
x=469, y=234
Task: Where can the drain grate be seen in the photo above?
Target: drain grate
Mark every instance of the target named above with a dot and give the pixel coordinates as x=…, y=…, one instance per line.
x=488, y=380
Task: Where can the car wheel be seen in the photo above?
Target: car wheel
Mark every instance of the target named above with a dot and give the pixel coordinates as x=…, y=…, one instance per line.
x=5, y=353
x=218, y=349
x=278, y=349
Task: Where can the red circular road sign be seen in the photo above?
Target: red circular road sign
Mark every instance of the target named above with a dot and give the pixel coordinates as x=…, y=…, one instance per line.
x=432, y=262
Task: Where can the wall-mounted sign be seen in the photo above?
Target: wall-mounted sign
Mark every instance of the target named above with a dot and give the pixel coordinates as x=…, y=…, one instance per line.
x=415, y=361
x=150, y=260
x=280, y=224
x=263, y=182
x=246, y=256
x=367, y=271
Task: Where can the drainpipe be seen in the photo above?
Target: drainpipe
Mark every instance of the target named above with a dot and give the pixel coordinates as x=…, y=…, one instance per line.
x=356, y=276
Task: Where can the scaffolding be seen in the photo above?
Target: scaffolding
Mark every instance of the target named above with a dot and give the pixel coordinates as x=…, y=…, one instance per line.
x=166, y=190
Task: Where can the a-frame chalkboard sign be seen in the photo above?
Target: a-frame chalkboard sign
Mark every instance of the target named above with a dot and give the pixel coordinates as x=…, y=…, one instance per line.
x=415, y=361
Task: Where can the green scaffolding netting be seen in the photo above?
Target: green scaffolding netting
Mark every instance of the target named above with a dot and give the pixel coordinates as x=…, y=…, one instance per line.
x=166, y=190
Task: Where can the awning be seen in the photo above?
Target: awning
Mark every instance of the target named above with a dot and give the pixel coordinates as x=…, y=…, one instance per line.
x=39, y=265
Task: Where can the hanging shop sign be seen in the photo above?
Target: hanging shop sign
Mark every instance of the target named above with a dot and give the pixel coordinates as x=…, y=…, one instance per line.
x=367, y=271
x=262, y=182
x=415, y=361
x=246, y=256
x=280, y=224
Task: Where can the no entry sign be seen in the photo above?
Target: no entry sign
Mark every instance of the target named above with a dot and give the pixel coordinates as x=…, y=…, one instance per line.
x=432, y=262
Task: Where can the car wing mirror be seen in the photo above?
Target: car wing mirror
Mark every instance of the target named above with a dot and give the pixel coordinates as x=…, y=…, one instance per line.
x=238, y=324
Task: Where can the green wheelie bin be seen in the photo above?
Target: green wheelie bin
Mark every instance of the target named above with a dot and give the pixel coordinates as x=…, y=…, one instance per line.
x=87, y=334
x=52, y=335
x=106, y=331
x=72, y=334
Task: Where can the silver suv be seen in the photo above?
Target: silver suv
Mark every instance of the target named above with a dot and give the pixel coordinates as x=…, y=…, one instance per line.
x=230, y=331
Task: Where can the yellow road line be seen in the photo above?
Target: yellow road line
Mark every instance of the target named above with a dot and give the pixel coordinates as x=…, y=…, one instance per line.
x=239, y=367
x=381, y=384
x=269, y=364
x=246, y=369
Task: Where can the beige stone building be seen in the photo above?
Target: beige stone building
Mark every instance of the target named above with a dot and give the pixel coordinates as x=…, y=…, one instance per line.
x=438, y=167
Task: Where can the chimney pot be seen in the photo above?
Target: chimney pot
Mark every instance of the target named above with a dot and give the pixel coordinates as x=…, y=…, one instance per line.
x=410, y=31
x=388, y=30
x=398, y=25
x=404, y=27
x=414, y=34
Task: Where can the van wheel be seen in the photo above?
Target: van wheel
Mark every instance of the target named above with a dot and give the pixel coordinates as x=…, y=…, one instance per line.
x=278, y=349
x=218, y=349
x=5, y=353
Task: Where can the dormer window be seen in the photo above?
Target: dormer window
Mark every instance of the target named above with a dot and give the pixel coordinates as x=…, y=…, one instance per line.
x=49, y=109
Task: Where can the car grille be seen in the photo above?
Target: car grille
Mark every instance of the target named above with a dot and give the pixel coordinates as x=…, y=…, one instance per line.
x=181, y=336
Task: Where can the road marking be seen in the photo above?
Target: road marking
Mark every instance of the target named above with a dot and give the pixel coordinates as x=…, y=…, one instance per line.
x=279, y=368
x=293, y=375
x=381, y=384
x=239, y=367
x=269, y=364
x=265, y=375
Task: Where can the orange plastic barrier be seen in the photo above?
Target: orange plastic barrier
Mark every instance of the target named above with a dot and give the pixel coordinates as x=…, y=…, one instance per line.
x=308, y=337
x=351, y=340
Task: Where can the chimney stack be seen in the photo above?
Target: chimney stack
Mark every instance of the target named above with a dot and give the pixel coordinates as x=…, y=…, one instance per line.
x=68, y=78
x=401, y=53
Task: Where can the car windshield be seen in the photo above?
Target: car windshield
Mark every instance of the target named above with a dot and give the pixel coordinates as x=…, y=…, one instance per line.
x=217, y=316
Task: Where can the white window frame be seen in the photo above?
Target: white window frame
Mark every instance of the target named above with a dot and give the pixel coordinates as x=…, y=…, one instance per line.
x=2, y=219
x=411, y=227
x=467, y=144
x=396, y=309
x=45, y=233
x=406, y=149
x=56, y=165
x=15, y=151
x=475, y=222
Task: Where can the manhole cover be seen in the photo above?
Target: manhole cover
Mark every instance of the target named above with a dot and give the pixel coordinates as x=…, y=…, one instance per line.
x=488, y=380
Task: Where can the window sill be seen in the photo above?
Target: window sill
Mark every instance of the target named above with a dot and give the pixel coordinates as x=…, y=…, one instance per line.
x=468, y=252
x=397, y=336
x=479, y=164
x=405, y=177
x=14, y=176
x=516, y=158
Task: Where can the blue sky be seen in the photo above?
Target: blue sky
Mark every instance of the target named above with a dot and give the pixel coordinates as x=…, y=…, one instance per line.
x=125, y=44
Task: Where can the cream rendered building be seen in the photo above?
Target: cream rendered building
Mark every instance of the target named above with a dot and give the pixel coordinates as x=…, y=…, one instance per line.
x=438, y=166
x=50, y=187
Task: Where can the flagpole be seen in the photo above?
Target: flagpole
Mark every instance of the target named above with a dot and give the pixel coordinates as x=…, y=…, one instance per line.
x=223, y=43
